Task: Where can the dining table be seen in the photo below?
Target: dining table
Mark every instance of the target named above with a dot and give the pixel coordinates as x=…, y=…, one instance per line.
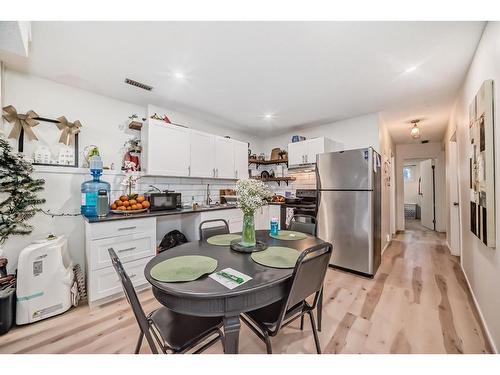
x=207, y=297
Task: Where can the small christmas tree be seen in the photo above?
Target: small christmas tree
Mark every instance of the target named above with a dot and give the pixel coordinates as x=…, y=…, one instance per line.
x=18, y=193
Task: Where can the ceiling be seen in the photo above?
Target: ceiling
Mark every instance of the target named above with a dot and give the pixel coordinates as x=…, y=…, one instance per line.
x=298, y=73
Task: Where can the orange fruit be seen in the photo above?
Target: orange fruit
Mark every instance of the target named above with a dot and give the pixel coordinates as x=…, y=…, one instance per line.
x=133, y=206
x=121, y=208
x=113, y=206
x=124, y=198
x=140, y=199
x=119, y=203
x=128, y=208
x=126, y=203
x=145, y=204
x=139, y=206
x=132, y=201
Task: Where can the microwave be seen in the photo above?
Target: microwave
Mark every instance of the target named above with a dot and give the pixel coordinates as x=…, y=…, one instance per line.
x=165, y=201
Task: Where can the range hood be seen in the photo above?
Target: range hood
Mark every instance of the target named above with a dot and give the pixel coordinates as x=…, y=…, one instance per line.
x=306, y=167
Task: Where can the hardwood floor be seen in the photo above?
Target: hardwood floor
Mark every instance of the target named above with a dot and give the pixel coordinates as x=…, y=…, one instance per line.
x=418, y=302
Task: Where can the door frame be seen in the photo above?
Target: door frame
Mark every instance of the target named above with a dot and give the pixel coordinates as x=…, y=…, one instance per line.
x=454, y=180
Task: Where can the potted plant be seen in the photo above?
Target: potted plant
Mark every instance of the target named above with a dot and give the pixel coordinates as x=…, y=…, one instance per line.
x=251, y=195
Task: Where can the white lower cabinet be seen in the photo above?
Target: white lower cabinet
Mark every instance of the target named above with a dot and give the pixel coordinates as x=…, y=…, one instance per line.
x=134, y=242
x=262, y=218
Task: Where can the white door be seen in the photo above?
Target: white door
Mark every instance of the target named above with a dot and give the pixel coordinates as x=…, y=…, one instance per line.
x=224, y=158
x=240, y=159
x=202, y=154
x=168, y=150
x=314, y=147
x=427, y=194
x=297, y=152
x=454, y=235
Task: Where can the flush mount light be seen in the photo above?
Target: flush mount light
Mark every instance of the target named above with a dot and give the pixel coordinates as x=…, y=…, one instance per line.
x=179, y=75
x=415, y=131
x=411, y=69
x=268, y=116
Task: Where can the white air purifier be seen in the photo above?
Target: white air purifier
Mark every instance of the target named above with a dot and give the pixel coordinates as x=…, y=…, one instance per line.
x=44, y=280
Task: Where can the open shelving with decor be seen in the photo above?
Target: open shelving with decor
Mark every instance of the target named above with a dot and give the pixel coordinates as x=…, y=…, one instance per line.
x=275, y=179
x=258, y=162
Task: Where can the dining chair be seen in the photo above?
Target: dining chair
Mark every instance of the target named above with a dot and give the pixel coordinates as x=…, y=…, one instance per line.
x=306, y=225
x=212, y=231
x=307, y=280
x=172, y=332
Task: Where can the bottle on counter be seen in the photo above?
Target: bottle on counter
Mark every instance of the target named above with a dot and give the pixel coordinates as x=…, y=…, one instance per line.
x=91, y=188
x=274, y=226
x=102, y=207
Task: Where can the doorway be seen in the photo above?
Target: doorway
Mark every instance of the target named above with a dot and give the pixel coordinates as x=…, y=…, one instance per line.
x=419, y=193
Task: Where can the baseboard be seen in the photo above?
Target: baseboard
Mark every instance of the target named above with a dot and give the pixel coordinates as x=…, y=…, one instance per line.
x=482, y=322
x=386, y=246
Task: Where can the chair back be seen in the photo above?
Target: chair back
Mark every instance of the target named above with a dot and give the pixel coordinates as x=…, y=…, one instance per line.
x=303, y=223
x=213, y=230
x=308, y=276
x=132, y=299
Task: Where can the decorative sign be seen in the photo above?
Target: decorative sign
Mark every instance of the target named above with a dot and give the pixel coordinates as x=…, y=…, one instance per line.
x=482, y=165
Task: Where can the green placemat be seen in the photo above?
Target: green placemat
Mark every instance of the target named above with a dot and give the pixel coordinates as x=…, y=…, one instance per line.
x=184, y=268
x=289, y=235
x=223, y=239
x=277, y=257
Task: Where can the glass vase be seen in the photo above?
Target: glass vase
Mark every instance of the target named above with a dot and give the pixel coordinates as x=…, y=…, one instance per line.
x=248, y=232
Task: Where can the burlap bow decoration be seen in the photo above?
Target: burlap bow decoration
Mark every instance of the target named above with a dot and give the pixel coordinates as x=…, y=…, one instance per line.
x=68, y=129
x=20, y=122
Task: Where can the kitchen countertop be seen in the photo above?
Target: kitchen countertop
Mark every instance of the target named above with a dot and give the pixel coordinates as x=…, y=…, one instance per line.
x=179, y=211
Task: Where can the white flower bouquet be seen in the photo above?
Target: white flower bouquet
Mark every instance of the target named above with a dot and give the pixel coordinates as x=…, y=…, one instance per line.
x=252, y=194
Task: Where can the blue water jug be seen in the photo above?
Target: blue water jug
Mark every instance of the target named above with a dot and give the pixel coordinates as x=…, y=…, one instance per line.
x=91, y=188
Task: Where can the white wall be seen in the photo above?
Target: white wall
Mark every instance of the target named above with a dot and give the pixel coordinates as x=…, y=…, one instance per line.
x=433, y=150
x=387, y=150
x=103, y=119
x=357, y=132
x=480, y=263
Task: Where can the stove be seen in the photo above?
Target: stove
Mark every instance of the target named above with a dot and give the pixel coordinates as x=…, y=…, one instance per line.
x=304, y=203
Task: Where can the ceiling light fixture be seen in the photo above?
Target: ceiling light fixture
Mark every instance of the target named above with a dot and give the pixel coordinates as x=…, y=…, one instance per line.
x=268, y=116
x=411, y=69
x=179, y=75
x=415, y=131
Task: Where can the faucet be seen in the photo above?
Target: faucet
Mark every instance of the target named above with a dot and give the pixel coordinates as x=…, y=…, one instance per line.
x=209, y=200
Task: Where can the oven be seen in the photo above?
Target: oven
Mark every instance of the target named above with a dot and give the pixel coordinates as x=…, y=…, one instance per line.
x=304, y=203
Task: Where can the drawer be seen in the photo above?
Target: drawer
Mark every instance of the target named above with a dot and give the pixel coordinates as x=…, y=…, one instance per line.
x=106, y=282
x=128, y=248
x=121, y=227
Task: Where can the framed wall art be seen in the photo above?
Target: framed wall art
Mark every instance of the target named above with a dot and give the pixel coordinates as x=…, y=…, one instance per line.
x=482, y=165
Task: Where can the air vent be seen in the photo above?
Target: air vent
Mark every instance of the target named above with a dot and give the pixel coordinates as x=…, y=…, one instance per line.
x=138, y=84
x=425, y=141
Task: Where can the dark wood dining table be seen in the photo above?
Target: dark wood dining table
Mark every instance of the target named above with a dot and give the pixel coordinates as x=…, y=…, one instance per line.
x=207, y=297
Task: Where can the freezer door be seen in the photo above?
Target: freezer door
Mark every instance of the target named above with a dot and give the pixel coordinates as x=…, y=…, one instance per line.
x=345, y=170
x=345, y=218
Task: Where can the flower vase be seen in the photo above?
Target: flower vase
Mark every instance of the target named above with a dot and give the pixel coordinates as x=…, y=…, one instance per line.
x=248, y=232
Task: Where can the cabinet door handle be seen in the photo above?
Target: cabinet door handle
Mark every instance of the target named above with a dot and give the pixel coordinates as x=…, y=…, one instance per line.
x=236, y=174
x=189, y=171
x=216, y=172
x=127, y=249
x=132, y=275
x=306, y=158
x=127, y=228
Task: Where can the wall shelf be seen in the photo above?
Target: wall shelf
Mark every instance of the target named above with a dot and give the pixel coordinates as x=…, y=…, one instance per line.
x=258, y=162
x=278, y=180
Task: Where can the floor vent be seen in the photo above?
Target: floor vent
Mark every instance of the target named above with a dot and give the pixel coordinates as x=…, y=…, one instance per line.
x=138, y=84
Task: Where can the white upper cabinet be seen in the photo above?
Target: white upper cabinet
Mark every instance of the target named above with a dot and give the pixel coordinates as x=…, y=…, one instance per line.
x=240, y=160
x=305, y=152
x=167, y=149
x=202, y=154
x=170, y=150
x=224, y=158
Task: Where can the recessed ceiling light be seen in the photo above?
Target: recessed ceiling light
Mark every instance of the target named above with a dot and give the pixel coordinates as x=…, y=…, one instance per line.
x=411, y=69
x=268, y=115
x=179, y=75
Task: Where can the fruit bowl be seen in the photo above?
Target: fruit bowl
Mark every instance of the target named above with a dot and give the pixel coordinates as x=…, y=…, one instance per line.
x=128, y=212
x=130, y=204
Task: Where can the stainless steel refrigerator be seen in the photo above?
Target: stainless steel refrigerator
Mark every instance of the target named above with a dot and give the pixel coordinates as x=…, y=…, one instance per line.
x=349, y=194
